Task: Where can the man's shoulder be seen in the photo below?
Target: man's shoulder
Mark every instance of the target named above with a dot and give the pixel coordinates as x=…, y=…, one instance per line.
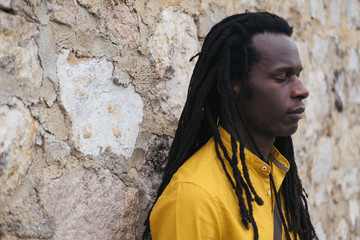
x=202, y=169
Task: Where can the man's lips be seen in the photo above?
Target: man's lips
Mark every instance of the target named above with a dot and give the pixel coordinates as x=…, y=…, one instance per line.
x=296, y=113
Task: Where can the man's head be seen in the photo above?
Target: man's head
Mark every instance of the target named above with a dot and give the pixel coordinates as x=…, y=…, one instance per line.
x=235, y=61
x=274, y=105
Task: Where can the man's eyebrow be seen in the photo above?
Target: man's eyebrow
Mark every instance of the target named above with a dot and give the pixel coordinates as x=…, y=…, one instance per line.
x=289, y=69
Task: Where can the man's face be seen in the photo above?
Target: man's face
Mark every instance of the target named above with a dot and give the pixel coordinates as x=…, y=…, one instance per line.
x=277, y=91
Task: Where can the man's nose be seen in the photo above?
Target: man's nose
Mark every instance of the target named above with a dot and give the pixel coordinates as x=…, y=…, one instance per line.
x=299, y=90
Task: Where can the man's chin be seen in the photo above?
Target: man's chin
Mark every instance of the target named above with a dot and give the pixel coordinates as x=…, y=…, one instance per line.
x=288, y=132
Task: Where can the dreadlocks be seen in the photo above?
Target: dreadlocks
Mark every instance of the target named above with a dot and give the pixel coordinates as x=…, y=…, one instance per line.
x=227, y=54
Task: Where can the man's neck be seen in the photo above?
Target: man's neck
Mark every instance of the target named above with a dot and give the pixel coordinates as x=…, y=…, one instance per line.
x=263, y=143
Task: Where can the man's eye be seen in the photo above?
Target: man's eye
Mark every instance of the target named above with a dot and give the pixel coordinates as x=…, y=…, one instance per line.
x=281, y=79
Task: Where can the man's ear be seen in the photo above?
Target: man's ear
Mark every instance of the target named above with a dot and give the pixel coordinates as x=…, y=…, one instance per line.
x=236, y=86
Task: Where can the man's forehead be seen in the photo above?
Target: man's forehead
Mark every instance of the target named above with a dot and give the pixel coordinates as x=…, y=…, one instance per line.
x=275, y=48
x=268, y=42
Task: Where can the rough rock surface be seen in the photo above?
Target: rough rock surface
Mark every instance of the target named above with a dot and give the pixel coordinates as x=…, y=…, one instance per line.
x=118, y=18
x=85, y=204
x=90, y=96
x=173, y=43
x=17, y=141
x=63, y=11
x=103, y=114
x=18, y=53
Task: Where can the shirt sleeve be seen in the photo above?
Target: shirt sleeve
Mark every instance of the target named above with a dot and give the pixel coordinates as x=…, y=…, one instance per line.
x=185, y=211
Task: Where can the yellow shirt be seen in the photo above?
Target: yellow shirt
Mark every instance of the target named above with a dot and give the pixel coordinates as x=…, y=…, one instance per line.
x=200, y=203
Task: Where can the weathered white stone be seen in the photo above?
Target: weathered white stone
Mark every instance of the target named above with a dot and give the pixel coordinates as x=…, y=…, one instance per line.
x=17, y=141
x=335, y=12
x=319, y=96
x=5, y=4
x=303, y=49
x=354, y=60
x=28, y=62
x=257, y=4
x=91, y=205
x=323, y=160
x=342, y=230
x=320, y=231
x=63, y=11
x=118, y=18
x=339, y=90
x=206, y=21
x=349, y=183
x=23, y=217
x=318, y=10
x=55, y=150
x=320, y=197
x=353, y=210
x=47, y=52
x=121, y=78
x=320, y=49
x=173, y=43
x=103, y=114
x=41, y=13
x=156, y=158
x=18, y=50
x=354, y=94
x=52, y=119
x=93, y=6
x=353, y=16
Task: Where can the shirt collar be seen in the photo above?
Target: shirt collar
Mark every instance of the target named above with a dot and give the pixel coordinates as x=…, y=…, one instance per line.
x=278, y=164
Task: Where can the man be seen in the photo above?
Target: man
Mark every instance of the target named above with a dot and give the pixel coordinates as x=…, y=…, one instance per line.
x=231, y=172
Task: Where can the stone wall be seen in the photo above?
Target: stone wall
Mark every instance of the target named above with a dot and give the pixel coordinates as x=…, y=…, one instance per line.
x=90, y=93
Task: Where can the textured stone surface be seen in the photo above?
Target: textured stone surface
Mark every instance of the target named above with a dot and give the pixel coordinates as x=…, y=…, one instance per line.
x=206, y=21
x=102, y=113
x=56, y=151
x=319, y=97
x=104, y=82
x=320, y=49
x=339, y=91
x=47, y=52
x=18, y=50
x=151, y=172
x=23, y=218
x=121, y=78
x=51, y=119
x=17, y=140
x=320, y=232
x=335, y=12
x=63, y=11
x=258, y=4
x=173, y=43
x=354, y=211
x=353, y=9
x=5, y=4
x=318, y=10
x=347, y=183
x=91, y=205
x=118, y=18
x=354, y=94
x=354, y=60
x=323, y=160
x=342, y=230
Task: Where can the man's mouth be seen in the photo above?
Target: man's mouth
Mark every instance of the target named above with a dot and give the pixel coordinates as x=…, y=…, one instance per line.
x=297, y=113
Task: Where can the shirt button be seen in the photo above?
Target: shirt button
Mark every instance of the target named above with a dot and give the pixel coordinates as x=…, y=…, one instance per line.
x=269, y=192
x=264, y=168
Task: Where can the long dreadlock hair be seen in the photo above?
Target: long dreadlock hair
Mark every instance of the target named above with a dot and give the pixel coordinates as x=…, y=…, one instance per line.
x=228, y=53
